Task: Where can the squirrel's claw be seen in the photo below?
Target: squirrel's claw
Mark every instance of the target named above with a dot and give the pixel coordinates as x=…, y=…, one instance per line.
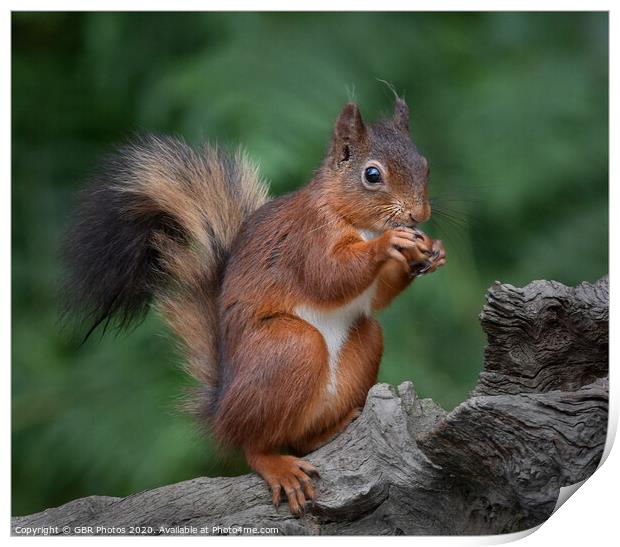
x=289, y=474
x=419, y=268
x=276, y=491
x=436, y=258
x=309, y=469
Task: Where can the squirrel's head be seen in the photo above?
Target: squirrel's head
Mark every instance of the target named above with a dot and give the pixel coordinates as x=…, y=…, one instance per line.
x=377, y=175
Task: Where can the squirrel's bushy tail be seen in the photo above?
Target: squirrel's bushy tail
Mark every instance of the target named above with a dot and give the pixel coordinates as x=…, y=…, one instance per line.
x=156, y=225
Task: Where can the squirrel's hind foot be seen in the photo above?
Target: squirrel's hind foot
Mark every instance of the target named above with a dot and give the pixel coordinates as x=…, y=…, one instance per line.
x=289, y=474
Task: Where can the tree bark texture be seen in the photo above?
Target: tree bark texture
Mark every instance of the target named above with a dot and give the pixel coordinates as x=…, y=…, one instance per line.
x=536, y=421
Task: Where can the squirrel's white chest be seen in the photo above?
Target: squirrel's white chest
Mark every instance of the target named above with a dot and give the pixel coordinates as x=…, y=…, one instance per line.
x=334, y=325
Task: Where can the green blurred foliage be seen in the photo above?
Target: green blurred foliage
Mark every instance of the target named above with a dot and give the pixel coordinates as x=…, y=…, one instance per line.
x=510, y=109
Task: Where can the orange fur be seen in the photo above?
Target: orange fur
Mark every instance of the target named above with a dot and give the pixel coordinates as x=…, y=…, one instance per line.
x=279, y=384
x=272, y=300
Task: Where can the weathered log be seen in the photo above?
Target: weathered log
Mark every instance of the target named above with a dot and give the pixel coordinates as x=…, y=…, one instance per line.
x=536, y=421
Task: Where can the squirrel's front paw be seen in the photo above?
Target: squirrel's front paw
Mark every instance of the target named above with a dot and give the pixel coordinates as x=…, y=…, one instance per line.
x=396, y=243
x=428, y=255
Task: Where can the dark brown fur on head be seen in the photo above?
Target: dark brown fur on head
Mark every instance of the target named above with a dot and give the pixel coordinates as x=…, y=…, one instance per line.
x=400, y=198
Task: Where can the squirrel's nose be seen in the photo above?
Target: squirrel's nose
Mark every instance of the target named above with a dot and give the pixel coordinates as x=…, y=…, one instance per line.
x=421, y=215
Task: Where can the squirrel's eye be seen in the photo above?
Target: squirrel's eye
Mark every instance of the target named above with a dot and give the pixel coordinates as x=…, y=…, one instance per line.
x=372, y=175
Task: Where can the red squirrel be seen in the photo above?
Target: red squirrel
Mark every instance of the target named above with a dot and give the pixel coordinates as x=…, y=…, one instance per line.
x=271, y=300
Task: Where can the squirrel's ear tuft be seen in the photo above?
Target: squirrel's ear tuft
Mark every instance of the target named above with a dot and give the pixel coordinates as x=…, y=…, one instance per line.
x=349, y=132
x=401, y=115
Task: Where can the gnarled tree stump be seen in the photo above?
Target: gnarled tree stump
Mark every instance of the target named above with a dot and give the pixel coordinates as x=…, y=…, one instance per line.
x=536, y=421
